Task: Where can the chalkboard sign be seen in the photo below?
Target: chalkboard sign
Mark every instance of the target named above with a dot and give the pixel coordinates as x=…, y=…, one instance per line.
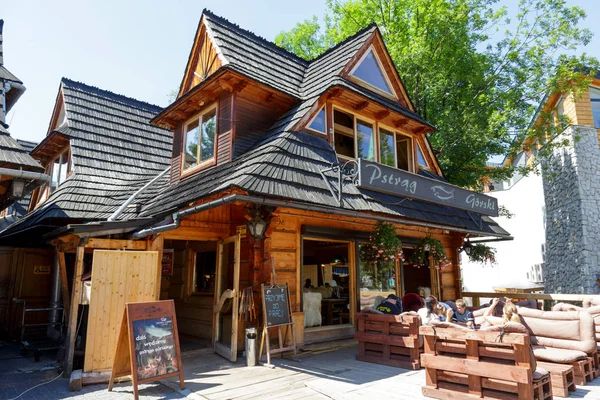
x=148, y=344
x=276, y=304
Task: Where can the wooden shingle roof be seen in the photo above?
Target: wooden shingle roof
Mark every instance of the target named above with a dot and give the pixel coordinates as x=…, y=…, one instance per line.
x=286, y=166
x=115, y=151
x=13, y=155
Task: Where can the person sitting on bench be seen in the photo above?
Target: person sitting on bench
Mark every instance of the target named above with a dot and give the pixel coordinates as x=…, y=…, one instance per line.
x=462, y=316
x=391, y=305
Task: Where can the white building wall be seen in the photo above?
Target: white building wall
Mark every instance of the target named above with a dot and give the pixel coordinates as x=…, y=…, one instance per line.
x=525, y=199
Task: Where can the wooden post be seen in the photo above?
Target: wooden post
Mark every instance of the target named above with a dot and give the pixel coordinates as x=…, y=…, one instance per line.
x=64, y=284
x=74, y=311
x=157, y=244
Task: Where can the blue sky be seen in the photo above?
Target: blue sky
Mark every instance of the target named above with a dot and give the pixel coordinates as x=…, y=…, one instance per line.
x=135, y=48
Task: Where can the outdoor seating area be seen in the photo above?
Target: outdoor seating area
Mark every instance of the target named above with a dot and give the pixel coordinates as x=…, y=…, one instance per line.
x=548, y=354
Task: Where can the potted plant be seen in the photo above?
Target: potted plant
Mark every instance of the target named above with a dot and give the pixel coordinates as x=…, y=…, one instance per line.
x=430, y=248
x=482, y=253
x=380, y=253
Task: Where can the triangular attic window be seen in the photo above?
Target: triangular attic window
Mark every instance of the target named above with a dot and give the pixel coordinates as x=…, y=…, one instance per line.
x=421, y=157
x=318, y=122
x=369, y=71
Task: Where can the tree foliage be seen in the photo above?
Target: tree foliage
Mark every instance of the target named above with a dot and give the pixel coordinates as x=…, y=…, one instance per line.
x=472, y=68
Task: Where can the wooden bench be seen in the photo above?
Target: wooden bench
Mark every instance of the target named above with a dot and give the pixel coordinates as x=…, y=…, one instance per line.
x=584, y=371
x=467, y=364
x=389, y=339
x=561, y=377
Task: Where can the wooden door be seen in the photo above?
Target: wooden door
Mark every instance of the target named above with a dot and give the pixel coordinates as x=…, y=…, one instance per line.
x=118, y=277
x=227, y=289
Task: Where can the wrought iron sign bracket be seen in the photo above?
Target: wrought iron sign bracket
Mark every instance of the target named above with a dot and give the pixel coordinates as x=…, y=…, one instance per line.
x=346, y=172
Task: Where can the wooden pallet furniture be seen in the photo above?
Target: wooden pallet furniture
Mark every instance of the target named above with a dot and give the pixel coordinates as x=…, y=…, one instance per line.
x=584, y=371
x=561, y=377
x=389, y=339
x=467, y=364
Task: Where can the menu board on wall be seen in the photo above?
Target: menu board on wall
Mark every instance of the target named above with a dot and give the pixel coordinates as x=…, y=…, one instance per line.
x=167, y=261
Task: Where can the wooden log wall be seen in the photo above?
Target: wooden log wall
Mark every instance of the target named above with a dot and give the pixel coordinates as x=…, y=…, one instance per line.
x=283, y=243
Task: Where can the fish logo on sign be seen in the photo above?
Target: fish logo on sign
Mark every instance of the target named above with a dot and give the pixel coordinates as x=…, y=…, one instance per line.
x=157, y=332
x=441, y=193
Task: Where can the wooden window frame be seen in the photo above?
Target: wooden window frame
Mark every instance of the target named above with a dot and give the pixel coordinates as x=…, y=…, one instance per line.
x=191, y=255
x=397, y=133
x=355, y=117
x=393, y=95
x=308, y=128
x=211, y=161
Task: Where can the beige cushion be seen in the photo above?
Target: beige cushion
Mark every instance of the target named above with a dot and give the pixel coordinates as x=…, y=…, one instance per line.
x=539, y=373
x=560, y=356
x=591, y=302
x=569, y=330
x=509, y=327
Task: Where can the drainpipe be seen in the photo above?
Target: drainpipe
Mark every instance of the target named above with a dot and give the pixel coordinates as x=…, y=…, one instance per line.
x=298, y=206
x=55, y=299
x=123, y=206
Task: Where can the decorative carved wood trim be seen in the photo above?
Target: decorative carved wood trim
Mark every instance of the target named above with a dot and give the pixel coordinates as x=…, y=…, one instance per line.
x=382, y=114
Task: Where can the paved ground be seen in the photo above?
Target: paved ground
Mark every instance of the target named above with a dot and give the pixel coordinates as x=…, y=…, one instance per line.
x=317, y=374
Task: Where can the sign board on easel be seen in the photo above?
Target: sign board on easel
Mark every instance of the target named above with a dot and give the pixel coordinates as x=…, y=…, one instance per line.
x=148, y=344
x=277, y=313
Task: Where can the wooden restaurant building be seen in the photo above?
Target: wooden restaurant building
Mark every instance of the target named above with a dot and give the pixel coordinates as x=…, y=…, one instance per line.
x=278, y=164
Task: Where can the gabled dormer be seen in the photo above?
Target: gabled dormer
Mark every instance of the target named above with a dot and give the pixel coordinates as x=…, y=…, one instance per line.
x=237, y=88
x=54, y=153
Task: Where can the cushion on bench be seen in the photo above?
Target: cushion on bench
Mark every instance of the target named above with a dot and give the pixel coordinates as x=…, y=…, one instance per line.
x=560, y=356
x=539, y=373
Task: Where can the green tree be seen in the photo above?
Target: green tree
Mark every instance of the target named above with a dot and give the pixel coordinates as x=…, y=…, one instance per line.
x=470, y=70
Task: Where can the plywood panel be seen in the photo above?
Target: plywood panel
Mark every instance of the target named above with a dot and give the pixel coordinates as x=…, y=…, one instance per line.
x=117, y=277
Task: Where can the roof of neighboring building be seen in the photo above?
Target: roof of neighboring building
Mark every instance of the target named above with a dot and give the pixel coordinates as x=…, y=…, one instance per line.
x=13, y=155
x=286, y=165
x=115, y=151
x=27, y=145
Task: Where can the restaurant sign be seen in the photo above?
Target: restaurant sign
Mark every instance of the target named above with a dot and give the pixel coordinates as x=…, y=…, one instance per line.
x=390, y=180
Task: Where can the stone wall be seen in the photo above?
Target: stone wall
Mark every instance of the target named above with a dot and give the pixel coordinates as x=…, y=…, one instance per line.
x=572, y=197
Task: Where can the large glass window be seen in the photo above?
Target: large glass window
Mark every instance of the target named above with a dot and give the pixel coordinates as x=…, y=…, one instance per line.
x=369, y=71
x=375, y=285
x=387, y=148
x=595, y=98
x=365, y=140
x=200, y=135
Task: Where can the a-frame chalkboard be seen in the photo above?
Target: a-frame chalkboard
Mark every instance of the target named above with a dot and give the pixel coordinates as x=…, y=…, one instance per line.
x=277, y=313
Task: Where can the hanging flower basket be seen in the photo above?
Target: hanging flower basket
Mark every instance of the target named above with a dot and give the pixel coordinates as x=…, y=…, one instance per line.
x=381, y=253
x=430, y=248
x=483, y=254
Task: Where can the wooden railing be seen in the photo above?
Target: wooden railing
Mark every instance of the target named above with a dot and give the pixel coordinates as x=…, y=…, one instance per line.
x=475, y=296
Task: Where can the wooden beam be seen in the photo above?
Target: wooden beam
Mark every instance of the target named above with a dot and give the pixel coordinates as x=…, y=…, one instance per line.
x=362, y=105
x=178, y=115
x=64, y=283
x=420, y=129
x=334, y=93
x=74, y=312
x=400, y=122
x=269, y=97
x=116, y=244
x=225, y=84
x=157, y=244
x=382, y=114
x=238, y=87
x=66, y=244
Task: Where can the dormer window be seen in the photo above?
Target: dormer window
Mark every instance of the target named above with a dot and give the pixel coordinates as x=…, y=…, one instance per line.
x=395, y=149
x=369, y=71
x=353, y=136
x=319, y=122
x=59, y=169
x=595, y=99
x=200, y=133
